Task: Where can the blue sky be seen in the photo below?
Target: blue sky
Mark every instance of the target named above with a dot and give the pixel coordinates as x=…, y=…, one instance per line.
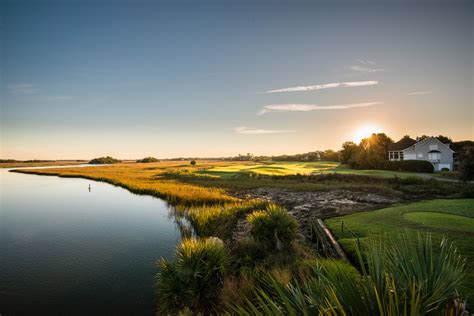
x=167, y=79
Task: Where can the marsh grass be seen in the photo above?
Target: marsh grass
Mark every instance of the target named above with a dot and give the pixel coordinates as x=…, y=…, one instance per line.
x=411, y=276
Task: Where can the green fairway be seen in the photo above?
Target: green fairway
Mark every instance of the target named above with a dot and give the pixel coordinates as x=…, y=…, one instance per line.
x=453, y=219
x=280, y=168
x=304, y=168
x=441, y=220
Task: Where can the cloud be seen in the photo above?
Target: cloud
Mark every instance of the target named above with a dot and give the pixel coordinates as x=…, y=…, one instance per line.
x=366, y=66
x=250, y=131
x=365, y=62
x=419, y=92
x=59, y=97
x=365, y=69
x=312, y=107
x=325, y=86
x=23, y=88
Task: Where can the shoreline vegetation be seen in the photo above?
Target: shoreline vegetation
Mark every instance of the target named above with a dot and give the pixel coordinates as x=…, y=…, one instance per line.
x=249, y=248
x=11, y=163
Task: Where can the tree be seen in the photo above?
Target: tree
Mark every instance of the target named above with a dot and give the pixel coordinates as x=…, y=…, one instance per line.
x=466, y=169
x=349, y=149
x=193, y=162
x=373, y=150
x=331, y=155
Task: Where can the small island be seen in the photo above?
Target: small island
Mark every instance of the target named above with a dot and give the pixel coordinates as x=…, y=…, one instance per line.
x=104, y=161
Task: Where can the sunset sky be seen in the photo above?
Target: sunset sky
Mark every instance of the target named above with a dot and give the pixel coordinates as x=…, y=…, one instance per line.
x=168, y=79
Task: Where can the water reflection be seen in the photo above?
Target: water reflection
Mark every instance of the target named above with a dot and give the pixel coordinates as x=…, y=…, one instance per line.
x=66, y=250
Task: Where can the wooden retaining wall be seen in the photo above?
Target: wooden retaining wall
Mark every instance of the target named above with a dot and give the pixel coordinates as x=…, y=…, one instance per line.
x=326, y=243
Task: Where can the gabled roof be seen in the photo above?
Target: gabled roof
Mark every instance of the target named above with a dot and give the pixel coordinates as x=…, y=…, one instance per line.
x=403, y=143
x=428, y=139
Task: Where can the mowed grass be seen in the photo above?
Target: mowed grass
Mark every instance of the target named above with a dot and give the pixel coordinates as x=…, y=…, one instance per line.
x=272, y=169
x=303, y=168
x=453, y=219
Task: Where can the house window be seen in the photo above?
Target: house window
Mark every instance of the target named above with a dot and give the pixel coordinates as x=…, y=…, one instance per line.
x=433, y=147
x=395, y=155
x=434, y=156
x=420, y=155
x=401, y=155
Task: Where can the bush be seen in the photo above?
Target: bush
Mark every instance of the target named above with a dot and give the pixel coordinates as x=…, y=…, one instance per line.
x=445, y=169
x=274, y=227
x=409, y=276
x=104, y=160
x=147, y=160
x=466, y=169
x=195, y=278
x=407, y=165
x=193, y=162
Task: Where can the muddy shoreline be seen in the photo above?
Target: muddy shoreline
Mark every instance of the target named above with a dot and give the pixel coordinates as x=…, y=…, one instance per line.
x=307, y=206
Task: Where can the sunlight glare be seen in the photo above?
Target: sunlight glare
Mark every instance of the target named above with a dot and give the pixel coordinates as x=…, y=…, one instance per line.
x=365, y=131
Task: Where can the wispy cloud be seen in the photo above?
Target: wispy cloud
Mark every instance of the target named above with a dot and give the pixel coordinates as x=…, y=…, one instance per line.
x=420, y=92
x=365, y=62
x=312, y=107
x=23, y=88
x=325, y=86
x=366, y=66
x=59, y=97
x=251, y=131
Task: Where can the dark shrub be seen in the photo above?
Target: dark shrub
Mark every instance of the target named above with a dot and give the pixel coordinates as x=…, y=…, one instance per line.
x=148, y=159
x=104, y=160
x=193, y=162
x=466, y=169
x=407, y=165
x=444, y=169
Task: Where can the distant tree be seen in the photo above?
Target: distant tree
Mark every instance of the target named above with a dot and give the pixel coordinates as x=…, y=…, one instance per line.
x=193, y=162
x=331, y=155
x=442, y=138
x=348, y=152
x=104, y=160
x=466, y=168
x=445, y=139
x=148, y=159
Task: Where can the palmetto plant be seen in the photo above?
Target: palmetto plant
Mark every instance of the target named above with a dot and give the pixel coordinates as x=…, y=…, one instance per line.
x=194, y=278
x=273, y=227
x=410, y=276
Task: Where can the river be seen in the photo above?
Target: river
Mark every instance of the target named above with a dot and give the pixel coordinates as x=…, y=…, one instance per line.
x=67, y=248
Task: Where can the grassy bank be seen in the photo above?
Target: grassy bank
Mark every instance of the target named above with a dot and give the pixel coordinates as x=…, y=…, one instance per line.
x=449, y=218
x=41, y=163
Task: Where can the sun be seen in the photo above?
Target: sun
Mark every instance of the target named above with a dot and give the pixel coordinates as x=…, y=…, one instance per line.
x=365, y=131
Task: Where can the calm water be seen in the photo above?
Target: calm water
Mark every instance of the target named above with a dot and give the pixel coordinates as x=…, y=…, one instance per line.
x=65, y=250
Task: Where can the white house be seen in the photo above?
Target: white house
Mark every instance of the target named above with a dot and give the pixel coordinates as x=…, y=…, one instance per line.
x=430, y=149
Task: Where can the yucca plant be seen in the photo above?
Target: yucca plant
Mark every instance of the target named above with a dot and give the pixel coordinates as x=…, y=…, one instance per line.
x=410, y=276
x=273, y=227
x=194, y=278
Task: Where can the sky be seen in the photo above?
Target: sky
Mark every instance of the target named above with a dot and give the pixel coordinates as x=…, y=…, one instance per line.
x=130, y=79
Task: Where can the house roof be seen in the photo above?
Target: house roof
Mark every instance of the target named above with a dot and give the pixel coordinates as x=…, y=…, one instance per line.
x=421, y=142
x=403, y=143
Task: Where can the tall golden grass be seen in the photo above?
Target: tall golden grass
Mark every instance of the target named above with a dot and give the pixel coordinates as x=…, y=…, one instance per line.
x=147, y=179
